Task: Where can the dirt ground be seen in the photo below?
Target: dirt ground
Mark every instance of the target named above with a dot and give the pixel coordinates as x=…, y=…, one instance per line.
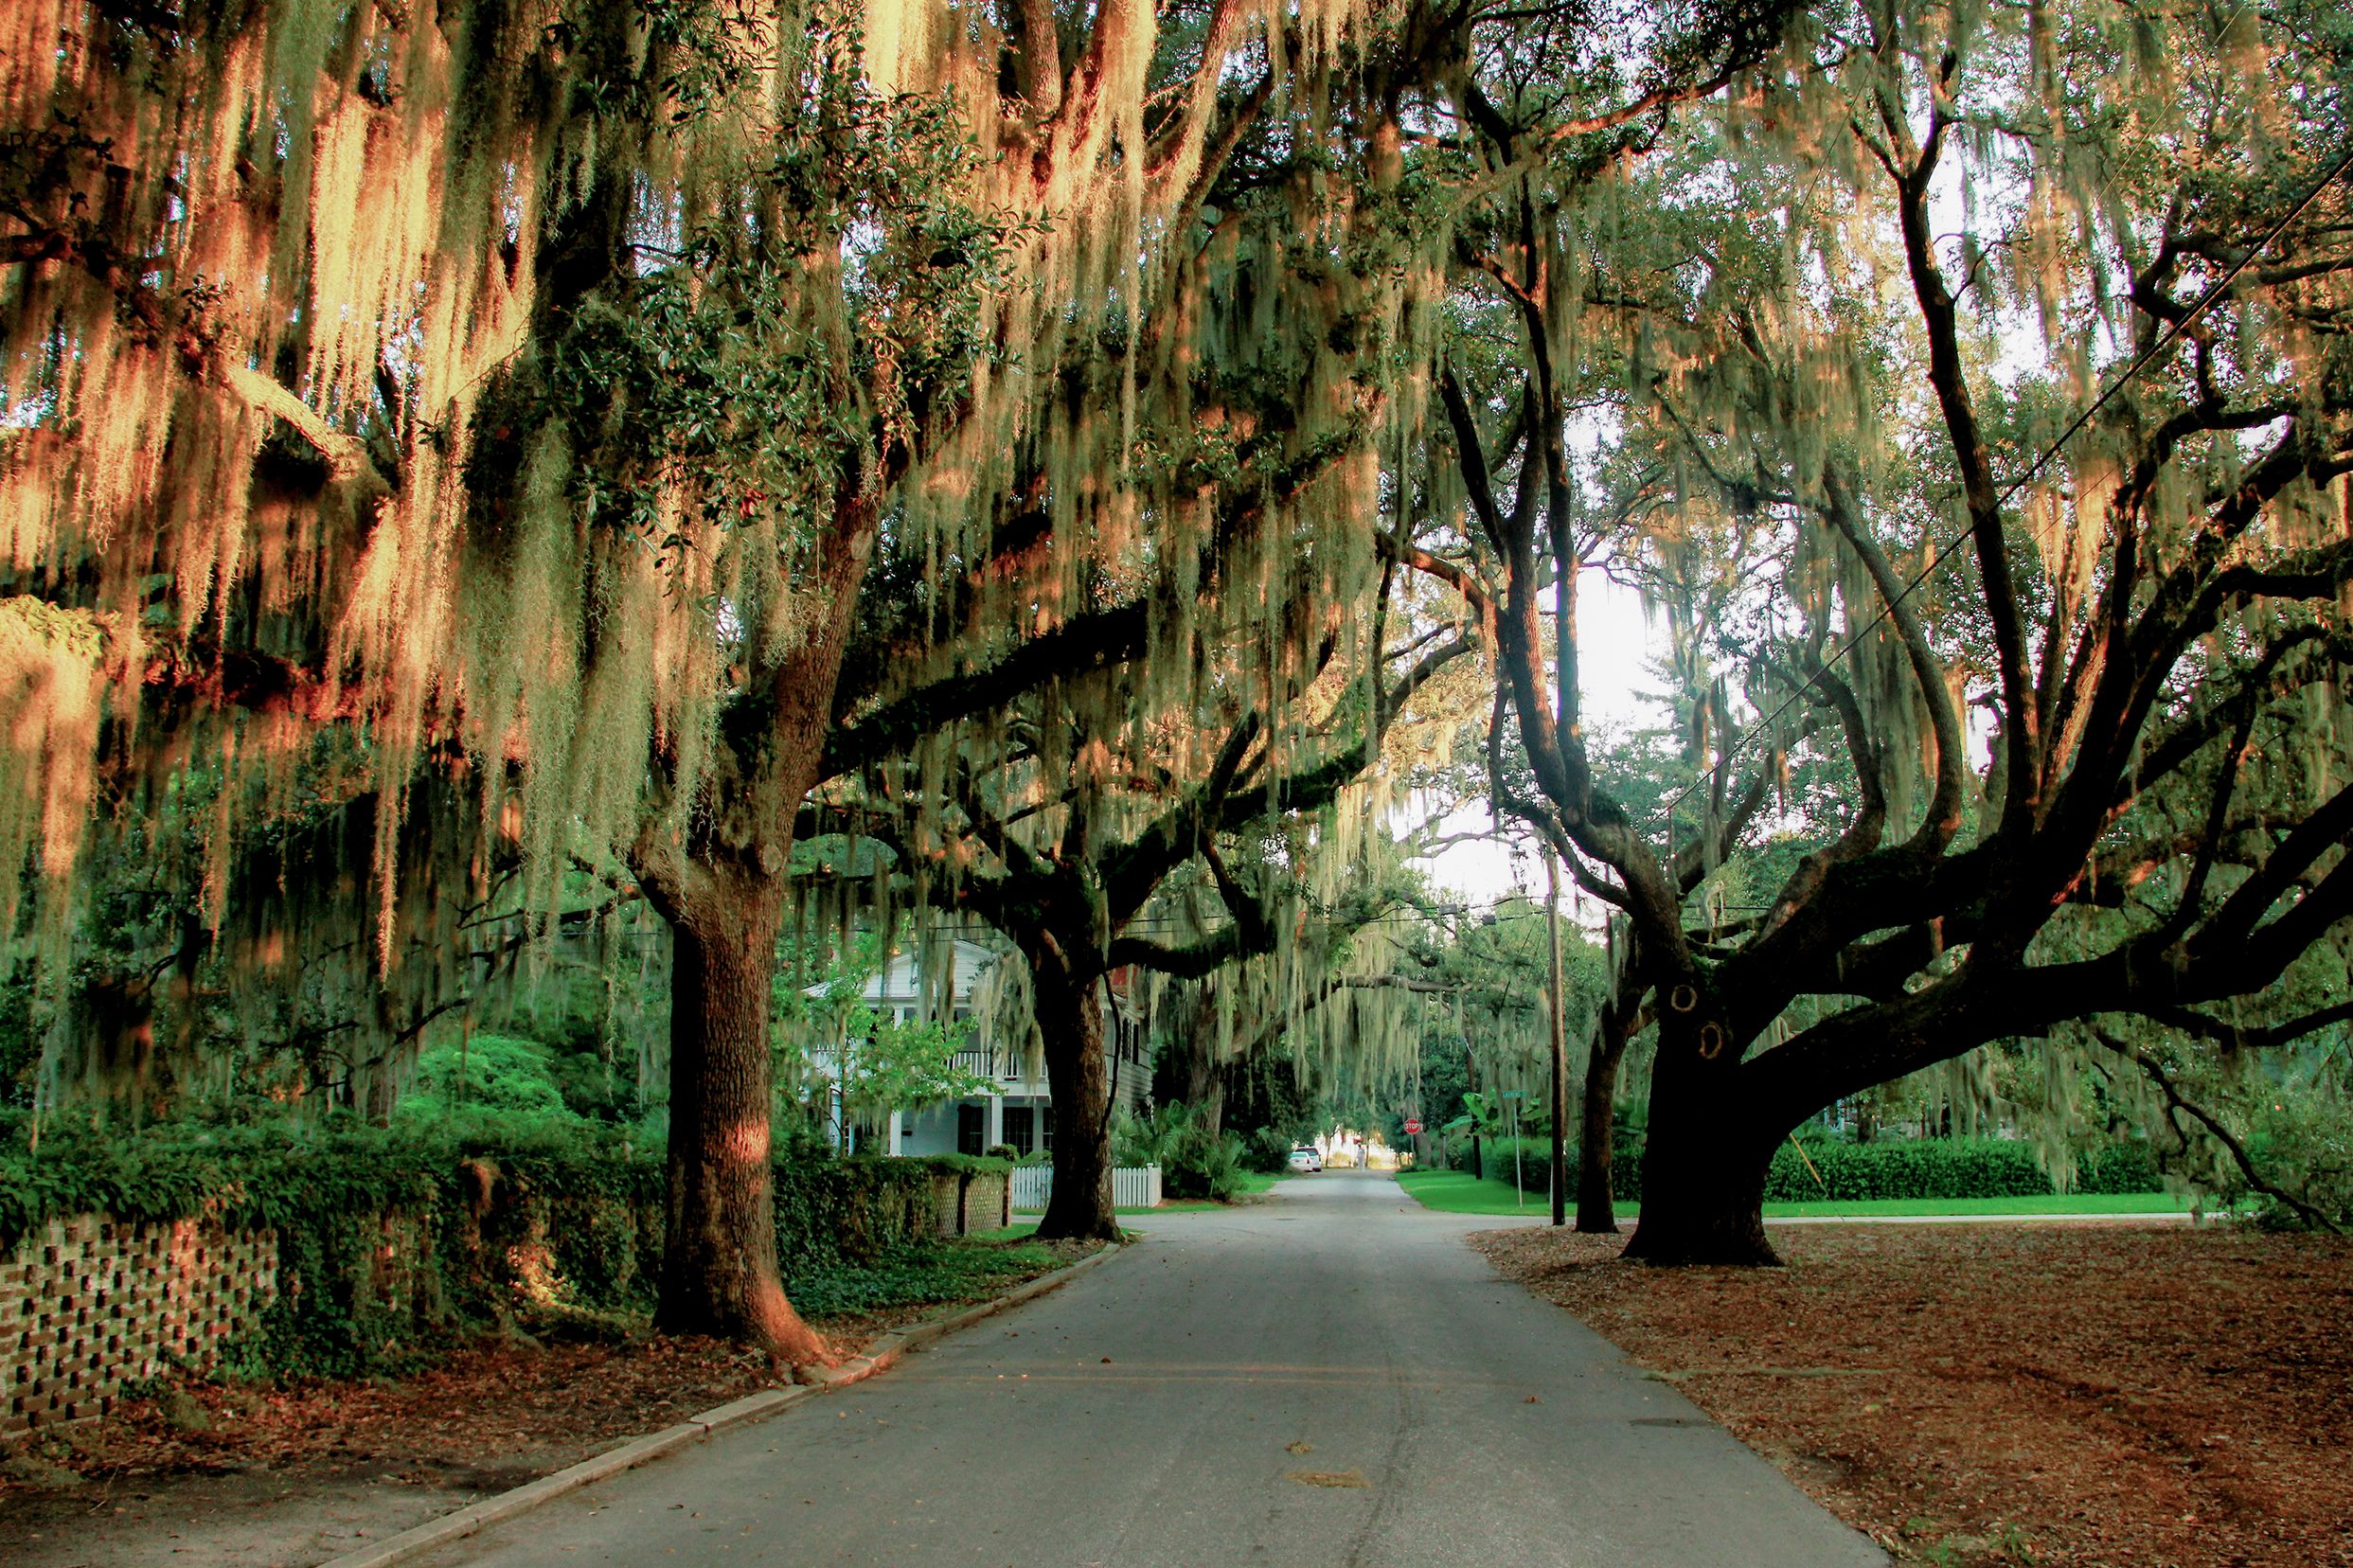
x=2078, y=1394
x=207, y=1474
x=283, y=1478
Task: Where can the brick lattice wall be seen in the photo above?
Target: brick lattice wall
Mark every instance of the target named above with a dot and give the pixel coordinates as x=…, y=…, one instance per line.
x=89, y=1304
x=984, y=1203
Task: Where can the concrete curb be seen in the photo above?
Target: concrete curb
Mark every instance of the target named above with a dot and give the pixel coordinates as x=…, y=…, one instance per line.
x=881, y=1357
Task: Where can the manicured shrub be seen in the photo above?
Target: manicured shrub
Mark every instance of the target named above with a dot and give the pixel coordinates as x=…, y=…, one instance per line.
x=1536, y=1153
x=1922, y=1169
x=2118, y=1168
x=1531, y=1164
x=1931, y=1168
x=855, y=1210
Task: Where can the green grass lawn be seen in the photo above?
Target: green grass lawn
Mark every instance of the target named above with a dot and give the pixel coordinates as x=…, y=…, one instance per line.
x=1458, y=1192
x=1006, y=1232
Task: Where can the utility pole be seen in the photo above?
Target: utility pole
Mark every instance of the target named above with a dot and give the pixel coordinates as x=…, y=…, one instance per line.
x=1519, y=1179
x=1560, y=1045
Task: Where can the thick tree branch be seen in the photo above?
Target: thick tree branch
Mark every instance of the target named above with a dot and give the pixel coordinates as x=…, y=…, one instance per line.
x=2178, y=1104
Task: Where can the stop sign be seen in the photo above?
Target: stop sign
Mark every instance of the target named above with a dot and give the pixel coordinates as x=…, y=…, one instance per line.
x=1412, y=1125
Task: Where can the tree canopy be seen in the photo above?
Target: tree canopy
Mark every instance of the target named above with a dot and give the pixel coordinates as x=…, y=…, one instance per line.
x=470, y=478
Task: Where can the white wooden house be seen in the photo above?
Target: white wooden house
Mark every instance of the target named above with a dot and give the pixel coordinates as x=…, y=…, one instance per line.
x=1020, y=1112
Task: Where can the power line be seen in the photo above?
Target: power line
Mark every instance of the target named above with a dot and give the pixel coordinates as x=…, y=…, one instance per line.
x=2165, y=340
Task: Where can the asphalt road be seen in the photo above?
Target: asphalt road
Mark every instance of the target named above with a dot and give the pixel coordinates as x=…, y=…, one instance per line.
x=1329, y=1377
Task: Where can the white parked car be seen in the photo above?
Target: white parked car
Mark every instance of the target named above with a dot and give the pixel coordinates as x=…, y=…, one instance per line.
x=1305, y=1158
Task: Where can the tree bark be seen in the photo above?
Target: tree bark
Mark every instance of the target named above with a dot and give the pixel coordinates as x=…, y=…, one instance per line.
x=723, y=892
x=1553, y=1004
x=1704, y=1161
x=1596, y=1147
x=719, y=1247
x=1080, y=1207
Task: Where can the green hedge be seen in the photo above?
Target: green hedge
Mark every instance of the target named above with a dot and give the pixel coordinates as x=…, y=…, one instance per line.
x=854, y=1210
x=2120, y=1167
x=1943, y=1167
x=1896, y=1168
x=390, y=1243
x=393, y=1245
x=1535, y=1153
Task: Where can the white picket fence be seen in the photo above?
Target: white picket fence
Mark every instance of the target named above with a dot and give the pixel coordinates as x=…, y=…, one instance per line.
x=1132, y=1186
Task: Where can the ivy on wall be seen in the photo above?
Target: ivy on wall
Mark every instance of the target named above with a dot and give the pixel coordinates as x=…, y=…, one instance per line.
x=393, y=1245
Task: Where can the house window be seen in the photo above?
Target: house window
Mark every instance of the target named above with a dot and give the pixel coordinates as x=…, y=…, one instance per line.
x=972, y=1125
x=1019, y=1123
x=1046, y=1127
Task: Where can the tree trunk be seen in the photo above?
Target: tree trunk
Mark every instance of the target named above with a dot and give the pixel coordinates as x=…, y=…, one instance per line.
x=724, y=894
x=1557, y=1183
x=1080, y=1207
x=1704, y=1161
x=719, y=1244
x=1596, y=1147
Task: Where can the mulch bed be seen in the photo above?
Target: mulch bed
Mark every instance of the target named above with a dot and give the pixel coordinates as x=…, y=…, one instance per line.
x=494, y=1415
x=2077, y=1394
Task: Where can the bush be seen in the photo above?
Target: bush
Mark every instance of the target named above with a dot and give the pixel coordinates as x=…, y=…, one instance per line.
x=2303, y=1143
x=389, y=1242
x=2118, y=1168
x=1194, y=1160
x=1266, y=1151
x=857, y=1209
x=502, y=1076
x=1535, y=1165
x=1532, y=1166
x=1926, y=1169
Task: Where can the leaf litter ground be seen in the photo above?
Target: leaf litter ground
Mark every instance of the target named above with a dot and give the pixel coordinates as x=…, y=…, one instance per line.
x=2073, y=1394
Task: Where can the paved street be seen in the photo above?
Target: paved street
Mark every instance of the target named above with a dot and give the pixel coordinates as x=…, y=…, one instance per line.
x=1329, y=1377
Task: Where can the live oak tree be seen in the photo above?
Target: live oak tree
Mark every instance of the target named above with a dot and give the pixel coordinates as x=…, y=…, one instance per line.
x=1161, y=566
x=525, y=400
x=1065, y=826
x=2148, y=618
x=1326, y=1013
x=526, y=391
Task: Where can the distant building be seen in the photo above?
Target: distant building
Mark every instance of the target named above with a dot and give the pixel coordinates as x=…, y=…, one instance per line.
x=1021, y=1111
